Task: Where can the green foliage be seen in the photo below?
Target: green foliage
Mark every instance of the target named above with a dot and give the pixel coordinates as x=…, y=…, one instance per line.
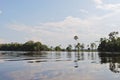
x=92, y=45
x=75, y=37
x=82, y=46
x=113, y=35
x=27, y=46
x=111, y=45
x=37, y=46
x=58, y=48
x=69, y=48
x=78, y=46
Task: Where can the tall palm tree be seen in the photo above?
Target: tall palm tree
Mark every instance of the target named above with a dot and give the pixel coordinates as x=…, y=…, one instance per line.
x=92, y=45
x=113, y=35
x=82, y=46
x=69, y=48
x=76, y=38
x=78, y=46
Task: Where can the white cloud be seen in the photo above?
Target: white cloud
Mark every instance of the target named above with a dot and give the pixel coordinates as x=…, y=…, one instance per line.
x=3, y=41
x=111, y=7
x=62, y=32
x=69, y=24
x=84, y=11
x=98, y=1
x=100, y=4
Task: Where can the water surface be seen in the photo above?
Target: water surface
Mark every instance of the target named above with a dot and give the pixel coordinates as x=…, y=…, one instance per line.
x=59, y=66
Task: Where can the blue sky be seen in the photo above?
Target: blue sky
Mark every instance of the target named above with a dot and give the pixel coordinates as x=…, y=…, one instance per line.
x=55, y=22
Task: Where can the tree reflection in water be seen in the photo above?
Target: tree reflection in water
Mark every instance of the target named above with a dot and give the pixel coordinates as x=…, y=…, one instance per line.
x=112, y=59
x=79, y=56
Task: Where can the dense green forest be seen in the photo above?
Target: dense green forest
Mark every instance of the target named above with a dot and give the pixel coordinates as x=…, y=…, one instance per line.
x=111, y=44
x=27, y=46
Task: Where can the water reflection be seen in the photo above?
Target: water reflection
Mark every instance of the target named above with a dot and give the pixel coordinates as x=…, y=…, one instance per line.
x=112, y=59
x=49, y=65
x=49, y=56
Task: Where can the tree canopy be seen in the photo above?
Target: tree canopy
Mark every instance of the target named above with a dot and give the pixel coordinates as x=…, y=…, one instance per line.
x=27, y=46
x=112, y=44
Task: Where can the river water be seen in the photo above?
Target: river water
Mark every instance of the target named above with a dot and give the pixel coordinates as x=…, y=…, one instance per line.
x=59, y=66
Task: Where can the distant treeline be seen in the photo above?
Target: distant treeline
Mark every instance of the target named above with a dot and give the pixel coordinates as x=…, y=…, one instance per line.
x=31, y=46
x=38, y=46
x=112, y=44
x=27, y=46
